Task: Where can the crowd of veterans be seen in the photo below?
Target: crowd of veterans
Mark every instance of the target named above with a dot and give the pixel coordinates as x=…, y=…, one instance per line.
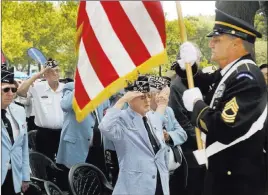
x=148, y=129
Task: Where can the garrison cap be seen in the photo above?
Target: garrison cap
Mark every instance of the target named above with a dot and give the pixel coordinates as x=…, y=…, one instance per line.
x=227, y=24
x=7, y=75
x=141, y=85
x=51, y=63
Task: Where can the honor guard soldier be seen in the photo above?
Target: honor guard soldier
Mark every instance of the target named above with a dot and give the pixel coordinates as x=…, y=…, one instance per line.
x=15, y=154
x=139, y=141
x=234, y=112
x=46, y=97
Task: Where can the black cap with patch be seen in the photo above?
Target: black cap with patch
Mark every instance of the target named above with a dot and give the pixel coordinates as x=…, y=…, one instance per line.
x=141, y=85
x=7, y=76
x=159, y=83
x=227, y=24
x=51, y=63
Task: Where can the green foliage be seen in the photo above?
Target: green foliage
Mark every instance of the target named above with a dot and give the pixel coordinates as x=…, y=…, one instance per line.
x=261, y=25
x=261, y=52
x=42, y=25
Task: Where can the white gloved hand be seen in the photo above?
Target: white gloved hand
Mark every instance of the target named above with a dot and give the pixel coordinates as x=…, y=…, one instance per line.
x=188, y=54
x=190, y=96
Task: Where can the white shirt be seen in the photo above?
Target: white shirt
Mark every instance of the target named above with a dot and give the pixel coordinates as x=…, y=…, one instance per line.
x=27, y=102
x=14, y=125
x=226, y=68
x=46, y=105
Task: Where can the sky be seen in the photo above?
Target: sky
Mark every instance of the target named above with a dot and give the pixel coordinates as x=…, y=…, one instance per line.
x=189, y=8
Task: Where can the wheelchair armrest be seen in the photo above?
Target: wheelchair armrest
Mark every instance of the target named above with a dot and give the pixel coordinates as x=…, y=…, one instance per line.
x=34, y=179
x=57, y=169
x=108, y=187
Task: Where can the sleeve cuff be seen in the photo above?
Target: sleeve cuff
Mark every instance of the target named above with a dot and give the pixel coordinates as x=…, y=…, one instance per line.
x=161, y=117
x=182, y=73
x=170, y=141
x=200, y=108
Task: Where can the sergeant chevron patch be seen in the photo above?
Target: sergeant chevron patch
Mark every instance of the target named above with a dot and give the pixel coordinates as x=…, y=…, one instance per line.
x=230, y=111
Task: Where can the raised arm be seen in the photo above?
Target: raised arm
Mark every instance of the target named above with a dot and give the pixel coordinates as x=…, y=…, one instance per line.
x=24, y=87
x=112, y=124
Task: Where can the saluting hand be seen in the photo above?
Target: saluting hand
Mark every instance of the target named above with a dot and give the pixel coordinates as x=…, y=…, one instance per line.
x=163, y=97
x=130, y=95
x=166, y=135
x=44, y=70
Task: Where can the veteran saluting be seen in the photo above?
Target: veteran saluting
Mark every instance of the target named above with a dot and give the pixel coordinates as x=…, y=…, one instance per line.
x=139, y=141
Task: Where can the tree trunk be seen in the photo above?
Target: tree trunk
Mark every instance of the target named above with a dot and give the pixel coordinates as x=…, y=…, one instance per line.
x=264, y=8
x=244, y=10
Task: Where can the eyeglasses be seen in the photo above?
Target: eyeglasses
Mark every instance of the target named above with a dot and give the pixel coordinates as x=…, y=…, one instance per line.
x=7, y=89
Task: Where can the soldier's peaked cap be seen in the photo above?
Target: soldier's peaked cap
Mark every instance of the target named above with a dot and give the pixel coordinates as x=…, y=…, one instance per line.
x=227, y=24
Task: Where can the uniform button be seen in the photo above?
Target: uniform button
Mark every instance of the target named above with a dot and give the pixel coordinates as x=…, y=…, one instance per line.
x=153, y=177
x=168, y=150
x=229, y=173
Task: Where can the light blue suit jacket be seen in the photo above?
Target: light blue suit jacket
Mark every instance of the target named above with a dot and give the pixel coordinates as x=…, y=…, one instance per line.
x=175, y=131
x=137, y=162
x=75, y=136
x=18, y=152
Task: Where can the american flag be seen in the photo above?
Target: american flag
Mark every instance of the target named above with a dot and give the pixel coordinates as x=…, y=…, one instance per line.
x=116, y=40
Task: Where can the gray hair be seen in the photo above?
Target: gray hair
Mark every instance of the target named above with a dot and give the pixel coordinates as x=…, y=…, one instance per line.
x=249, y=47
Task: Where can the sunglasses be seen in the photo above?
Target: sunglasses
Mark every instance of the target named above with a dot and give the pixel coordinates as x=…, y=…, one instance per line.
x=7, y=89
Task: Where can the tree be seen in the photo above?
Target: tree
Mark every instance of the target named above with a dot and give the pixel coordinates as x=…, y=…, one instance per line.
x=42, y=25
x=244, y=10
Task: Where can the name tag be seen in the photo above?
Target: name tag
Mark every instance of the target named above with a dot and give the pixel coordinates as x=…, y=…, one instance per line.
x=44, y=96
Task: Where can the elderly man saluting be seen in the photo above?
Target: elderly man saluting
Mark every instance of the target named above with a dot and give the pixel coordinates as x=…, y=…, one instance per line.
x=139, y=141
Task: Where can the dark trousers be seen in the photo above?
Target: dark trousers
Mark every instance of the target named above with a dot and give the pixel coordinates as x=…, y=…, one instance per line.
x=159, y=189
x=8, y=187
x=195, y=181
x=177, y=182
x=30, y=123
x=223, y=184
x=47, y=141
x=62, y=177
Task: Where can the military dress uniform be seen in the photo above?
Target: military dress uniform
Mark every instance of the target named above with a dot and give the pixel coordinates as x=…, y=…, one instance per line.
x=233, y=117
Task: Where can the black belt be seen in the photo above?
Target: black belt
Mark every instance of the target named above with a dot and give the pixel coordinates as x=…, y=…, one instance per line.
x=42, y=128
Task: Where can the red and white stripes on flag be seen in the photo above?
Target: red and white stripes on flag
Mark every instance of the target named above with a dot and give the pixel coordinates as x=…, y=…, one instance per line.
x=116, y=41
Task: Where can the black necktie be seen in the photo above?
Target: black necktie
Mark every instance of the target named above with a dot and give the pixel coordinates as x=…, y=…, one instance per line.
x=151, y=137
x=7, y=125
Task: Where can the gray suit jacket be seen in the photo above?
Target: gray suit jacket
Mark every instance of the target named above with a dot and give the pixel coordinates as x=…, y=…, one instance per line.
x=75, y=136
x=138, y=164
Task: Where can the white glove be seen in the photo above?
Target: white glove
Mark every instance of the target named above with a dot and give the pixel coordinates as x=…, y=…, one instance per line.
x=188, y=54
x=190, y=96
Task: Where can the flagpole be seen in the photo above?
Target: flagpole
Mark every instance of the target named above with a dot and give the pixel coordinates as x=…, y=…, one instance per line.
x=189, y=72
